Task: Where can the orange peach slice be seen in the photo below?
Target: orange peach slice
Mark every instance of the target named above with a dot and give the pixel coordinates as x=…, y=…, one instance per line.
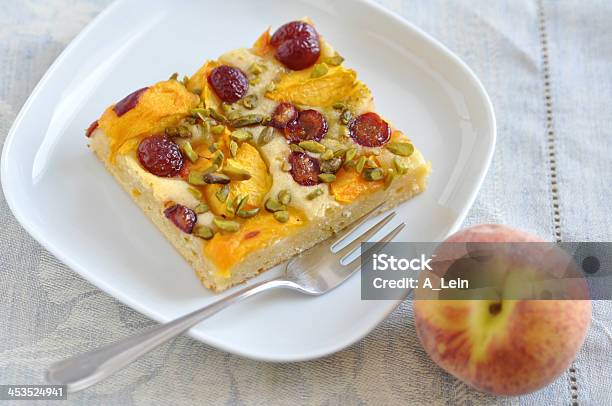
x=160, y=106
x=227, y=249
x=256, y=188
x=350, y=185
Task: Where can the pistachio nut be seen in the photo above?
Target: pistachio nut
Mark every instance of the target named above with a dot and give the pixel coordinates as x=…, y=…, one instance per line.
x=226, y=225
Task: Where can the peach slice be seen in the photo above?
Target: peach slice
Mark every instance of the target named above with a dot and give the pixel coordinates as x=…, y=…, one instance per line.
x=262, y=44
x=299, y=87
x=249, y=159
x=160, y=106
x=198, y=82
x=228, y=249
x=350, y=185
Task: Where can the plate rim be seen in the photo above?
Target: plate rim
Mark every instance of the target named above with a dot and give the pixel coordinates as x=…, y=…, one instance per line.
x=109, y=289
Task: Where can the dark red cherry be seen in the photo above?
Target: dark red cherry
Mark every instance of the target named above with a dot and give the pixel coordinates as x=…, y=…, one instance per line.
x=182, y=217
x=92, y=127
x=370, y=130
x=283, y=114
x=161, y=156
x=297, y=45
x=304, y=168
x=128, y=102
x=310, y=125
x=229, y=83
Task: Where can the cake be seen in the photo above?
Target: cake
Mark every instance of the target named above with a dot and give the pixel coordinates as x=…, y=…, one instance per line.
x=258, y=155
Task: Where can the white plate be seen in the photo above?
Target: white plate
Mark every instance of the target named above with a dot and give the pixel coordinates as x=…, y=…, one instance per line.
x=63, y=196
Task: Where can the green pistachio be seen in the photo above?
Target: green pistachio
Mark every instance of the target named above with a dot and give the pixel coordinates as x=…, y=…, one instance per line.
x=273, y=205
x=247, y=213
x=217, y=158
x=339, y=105
x=328, y=154
x=256, y=68
x=203, y=232
x=196, y=178
x=174, y=76
x=400, y=168
x=217, y=116
x=229, y=205
x=212, y=168
x=249, y=119
x=314, y=194
x=205, y=131
x=195, y=192
x=371, y=163
x=241, y=201
x=360, y=164
x=233, y=115
x=335, y=60
x=282, y=216
x=222, y=193
x=217, y=129
x=265, y=136
x=284, y=196
x=296, y=148
x=350, y=164
x=195, y=131
x=332, y=143
x=312, y=146
x=200, y=112
x=319, y=70
x=250, y=101
x=241, y=135
x=373, y=174
x=216, y=179
x=226, y=107
x=226, y=225
x=346, y=116
x=233, y=147
x=350, y=154
x=201, y=208
x=188, y=150
x=254, y=81
x=327, y=177
x=339, y=153
x=331, y=165
x=235, y=173
x=400, y=148
x=389, y=177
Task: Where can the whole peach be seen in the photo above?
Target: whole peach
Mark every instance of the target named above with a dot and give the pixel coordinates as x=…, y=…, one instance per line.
x=503, y=346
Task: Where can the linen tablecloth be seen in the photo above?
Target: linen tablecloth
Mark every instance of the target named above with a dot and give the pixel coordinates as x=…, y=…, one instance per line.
x=547, y=66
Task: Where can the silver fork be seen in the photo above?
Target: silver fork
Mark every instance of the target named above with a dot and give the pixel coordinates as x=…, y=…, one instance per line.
x=314, y=272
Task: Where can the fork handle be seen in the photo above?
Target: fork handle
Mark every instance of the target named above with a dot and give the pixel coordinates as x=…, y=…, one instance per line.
x=84, y=370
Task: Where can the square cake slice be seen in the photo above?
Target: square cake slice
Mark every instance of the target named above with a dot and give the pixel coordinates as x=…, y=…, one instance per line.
x=258, y=156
